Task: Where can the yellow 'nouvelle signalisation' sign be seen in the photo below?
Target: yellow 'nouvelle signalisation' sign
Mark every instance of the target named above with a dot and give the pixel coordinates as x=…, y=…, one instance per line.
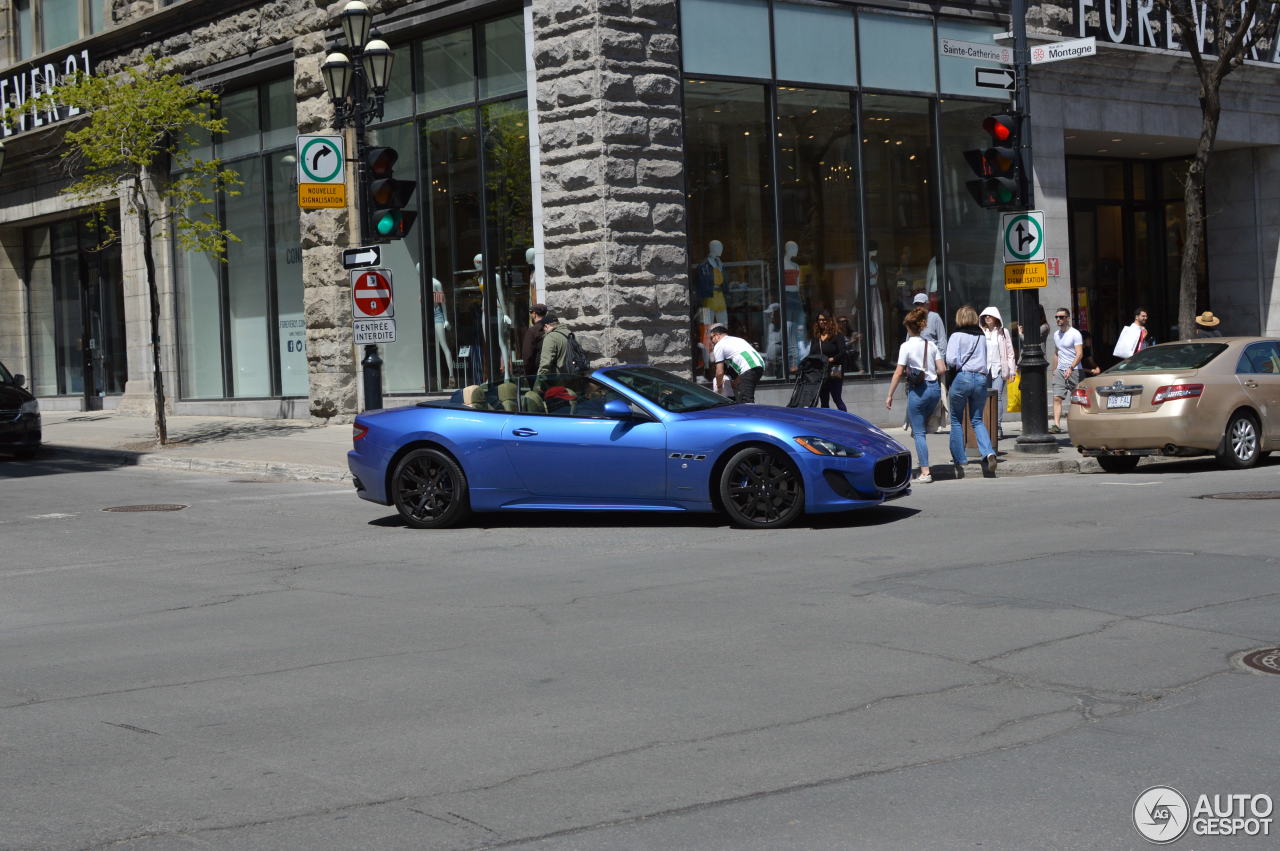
x=1026, y=276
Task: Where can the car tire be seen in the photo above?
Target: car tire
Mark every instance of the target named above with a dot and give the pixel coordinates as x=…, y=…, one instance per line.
x=429, y=490
x=761, y=489
x=26, y=453
x=1118, y=463
x=1240, y=444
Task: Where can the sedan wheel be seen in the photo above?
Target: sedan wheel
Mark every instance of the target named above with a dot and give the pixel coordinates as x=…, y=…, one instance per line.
x=430, y=490
x=1118, y=463
x=761, y=489
x=1240, y=444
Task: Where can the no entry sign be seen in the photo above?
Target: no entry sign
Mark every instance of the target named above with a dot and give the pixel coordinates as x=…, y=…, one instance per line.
x=371, y=294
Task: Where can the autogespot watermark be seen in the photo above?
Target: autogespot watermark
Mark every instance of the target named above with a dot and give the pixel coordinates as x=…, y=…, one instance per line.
x=1162, y=815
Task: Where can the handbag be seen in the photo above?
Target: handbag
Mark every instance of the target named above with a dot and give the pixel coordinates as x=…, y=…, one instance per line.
x=1014, y=388
x=917, y=377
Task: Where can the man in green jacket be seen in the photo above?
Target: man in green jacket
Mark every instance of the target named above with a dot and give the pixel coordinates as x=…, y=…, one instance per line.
x=555, y=347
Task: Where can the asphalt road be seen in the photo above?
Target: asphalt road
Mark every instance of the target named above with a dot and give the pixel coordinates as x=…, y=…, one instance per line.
x=999, y=664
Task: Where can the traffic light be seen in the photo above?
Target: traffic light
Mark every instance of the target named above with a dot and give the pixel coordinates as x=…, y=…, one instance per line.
x=386, y=196
x=1000, y=182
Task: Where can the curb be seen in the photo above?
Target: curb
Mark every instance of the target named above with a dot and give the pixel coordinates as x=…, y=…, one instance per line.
x=274, y=469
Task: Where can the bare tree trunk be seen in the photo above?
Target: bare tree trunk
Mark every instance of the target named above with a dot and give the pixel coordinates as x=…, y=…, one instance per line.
x=1194, y=201
x=153, y=291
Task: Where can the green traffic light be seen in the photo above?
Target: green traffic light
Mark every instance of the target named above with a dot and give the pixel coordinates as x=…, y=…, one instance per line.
x=386, y=224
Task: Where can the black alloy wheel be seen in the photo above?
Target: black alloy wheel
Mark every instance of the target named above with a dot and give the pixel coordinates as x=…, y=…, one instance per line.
x=1240, y=445
x=761, y=489
x=430, y=490
x=1118, y=463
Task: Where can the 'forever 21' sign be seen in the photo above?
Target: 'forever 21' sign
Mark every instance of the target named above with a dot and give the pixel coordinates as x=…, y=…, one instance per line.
x=21, y=86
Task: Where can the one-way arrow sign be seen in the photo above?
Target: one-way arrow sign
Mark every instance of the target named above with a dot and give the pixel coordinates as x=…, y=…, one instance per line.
x=359, y=258
x=994, y=78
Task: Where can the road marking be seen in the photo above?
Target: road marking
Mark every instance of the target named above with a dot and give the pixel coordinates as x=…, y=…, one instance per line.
x=1129, y=484
x=49, y=516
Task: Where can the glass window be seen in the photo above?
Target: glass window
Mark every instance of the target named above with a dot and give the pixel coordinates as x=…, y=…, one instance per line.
x=818, y=205
x=730, y=203
x=398, y=103
x=896, y=52
x=667, y=391
x=59, y=23
x=240, y=109
x=97, y=15
x=447, y=67
x=975, y=259
x=1261, y=358
x=200, y=325
x=282, y=121
x=247, y=287
x=558, y=395
x=26, y=46
x=815, y=44
x=897, y=151
x=728, y=37
x=1171, y=356
x=509, y=219
x=955, y=74
x=286, y=247
x=503, y=71
x=1099, y=179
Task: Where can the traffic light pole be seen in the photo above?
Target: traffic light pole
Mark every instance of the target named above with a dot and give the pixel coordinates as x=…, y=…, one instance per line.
x=1035, y=435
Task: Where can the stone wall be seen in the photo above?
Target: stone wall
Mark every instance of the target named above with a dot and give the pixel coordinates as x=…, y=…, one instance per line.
x=608, y=100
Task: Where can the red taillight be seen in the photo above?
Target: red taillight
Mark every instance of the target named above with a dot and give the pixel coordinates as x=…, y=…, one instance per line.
x=1170, y=392
x=359, y=431
x=1080, y=396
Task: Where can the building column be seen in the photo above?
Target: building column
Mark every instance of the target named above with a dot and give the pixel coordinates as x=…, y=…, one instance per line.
x=14, y=343
x=612, y=174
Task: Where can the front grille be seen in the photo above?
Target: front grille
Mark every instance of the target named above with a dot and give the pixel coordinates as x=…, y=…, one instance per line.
x=893, y=472
x=9, y=416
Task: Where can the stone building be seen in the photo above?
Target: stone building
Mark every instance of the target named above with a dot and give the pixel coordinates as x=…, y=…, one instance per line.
x=644, y=167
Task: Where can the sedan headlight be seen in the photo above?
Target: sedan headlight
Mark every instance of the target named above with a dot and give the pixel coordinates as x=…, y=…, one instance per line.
x=32, y=407
x=822, y=446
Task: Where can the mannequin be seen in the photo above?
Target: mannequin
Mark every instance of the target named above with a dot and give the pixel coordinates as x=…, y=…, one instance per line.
x=502, y=318
x=531, y=259
x=877, y=301
x=441, y=321
x=709, y=290
x=797, y=334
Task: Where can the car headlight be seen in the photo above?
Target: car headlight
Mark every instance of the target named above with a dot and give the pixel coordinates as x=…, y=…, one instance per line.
x=32, y=407
x=822, y=446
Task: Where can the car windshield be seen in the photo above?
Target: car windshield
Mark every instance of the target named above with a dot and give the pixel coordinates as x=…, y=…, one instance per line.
x=5, y=377
x=667, y=391
x=1171, y=357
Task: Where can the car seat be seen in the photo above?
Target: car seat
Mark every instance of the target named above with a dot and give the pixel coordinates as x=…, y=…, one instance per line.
x=507, y=395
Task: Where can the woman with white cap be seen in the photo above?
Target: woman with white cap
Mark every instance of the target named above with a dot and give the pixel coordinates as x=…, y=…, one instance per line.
x=1000, y=362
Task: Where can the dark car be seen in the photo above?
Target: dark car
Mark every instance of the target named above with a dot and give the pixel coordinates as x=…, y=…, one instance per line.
x=19, y=416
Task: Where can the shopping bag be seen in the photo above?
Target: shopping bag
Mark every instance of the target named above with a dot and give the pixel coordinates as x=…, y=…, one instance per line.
x=1014, y=405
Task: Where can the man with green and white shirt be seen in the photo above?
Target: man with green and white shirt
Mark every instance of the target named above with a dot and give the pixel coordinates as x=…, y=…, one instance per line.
x=745, y=364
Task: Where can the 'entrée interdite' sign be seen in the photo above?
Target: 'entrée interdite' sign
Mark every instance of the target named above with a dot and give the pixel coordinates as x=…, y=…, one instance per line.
x=23, y=84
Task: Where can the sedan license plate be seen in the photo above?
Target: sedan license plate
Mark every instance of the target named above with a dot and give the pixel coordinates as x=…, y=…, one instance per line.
x=1119, y=401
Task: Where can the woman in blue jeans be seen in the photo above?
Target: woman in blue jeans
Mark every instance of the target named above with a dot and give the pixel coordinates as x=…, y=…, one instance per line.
x=921, y=362
x=967, y=358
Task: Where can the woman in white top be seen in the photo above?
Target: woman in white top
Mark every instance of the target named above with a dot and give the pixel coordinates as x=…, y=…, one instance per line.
x=1000, y=363
x=922, y=363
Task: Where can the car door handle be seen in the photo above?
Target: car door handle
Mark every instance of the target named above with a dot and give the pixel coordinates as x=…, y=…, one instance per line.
x=1251, y=384
x=524, y=432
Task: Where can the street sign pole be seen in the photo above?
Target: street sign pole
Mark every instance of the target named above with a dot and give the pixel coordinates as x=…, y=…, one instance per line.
x=1035, y=435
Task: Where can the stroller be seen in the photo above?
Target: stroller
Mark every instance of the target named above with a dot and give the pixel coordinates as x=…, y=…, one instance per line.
x=811, y=372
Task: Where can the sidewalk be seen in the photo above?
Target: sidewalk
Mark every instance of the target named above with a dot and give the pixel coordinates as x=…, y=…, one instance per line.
x=301, y=450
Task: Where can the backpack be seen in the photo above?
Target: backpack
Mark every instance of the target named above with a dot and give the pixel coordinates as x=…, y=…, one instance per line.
x=576, y=360
x=704, y=281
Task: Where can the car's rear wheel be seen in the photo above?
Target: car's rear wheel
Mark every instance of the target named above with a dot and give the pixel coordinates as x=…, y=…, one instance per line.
x=1118, y=463
x=429, y=490
x=761, y=489
x=1240, y=447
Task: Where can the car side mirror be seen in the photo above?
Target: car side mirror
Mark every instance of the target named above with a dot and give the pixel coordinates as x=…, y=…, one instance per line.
x=617, y=409
x=19, y=380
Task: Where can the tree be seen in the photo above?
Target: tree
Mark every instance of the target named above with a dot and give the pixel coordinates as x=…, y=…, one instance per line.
x=134, y=140
x=1234, y=30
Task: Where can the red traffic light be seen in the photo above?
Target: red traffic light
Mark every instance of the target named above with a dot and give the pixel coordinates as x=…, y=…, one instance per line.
x=1001, y=127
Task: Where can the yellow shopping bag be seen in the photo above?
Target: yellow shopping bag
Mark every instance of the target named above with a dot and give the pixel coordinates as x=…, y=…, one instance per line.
x=1014, y=405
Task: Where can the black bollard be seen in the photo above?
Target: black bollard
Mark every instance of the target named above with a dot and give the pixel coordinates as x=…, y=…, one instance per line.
x=372, y=378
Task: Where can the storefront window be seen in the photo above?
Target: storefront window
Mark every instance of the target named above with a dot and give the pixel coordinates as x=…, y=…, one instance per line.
x=286, y=263
x=729, y=37
x=25, y=29
x=818, y=206
x=509, y=219
x=59, y=22
x=447, y=73
x=897, y=157
x=200, y=324
x=731, y=227
x=975, y=258
x=896, y=52
x=815, y=44
x=503, y=70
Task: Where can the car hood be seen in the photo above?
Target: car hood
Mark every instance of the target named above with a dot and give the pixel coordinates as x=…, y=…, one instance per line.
x=12, y=397
x=849, y=429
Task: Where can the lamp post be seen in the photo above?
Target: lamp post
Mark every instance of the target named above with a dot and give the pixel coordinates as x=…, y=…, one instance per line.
x=357, y=84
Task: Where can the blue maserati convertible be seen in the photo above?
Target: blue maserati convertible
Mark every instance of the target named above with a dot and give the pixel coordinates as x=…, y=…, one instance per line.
x=630, y=438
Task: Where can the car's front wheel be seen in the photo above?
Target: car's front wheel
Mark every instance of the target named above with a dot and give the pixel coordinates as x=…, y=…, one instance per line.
x=1240, y=447
x=1118, y=463
x=761, y=489
x=430, y=490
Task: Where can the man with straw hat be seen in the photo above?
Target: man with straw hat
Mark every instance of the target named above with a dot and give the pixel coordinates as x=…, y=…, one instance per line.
x=1207, y=325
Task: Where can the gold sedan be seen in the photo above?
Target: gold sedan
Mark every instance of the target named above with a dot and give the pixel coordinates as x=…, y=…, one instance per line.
x=1217, y=396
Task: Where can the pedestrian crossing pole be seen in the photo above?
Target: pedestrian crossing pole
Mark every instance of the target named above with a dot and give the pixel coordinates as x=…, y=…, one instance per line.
x=1035, y=435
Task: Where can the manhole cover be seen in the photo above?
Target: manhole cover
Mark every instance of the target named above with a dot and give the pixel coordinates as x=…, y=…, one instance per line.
x=1244, y=495
x=1266, y=660
x=160, y=507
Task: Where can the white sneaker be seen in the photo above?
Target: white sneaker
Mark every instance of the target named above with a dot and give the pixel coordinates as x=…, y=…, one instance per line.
x=925, y=479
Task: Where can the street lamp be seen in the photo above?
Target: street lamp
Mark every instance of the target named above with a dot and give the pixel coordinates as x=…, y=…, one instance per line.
x=357, y=84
